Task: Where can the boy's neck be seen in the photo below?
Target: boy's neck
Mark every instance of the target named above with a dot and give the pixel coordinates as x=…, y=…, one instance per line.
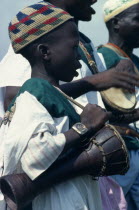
x=38, y=71
x=121, y=44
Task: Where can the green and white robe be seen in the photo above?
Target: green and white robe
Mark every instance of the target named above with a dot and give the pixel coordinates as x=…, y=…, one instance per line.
x=34, y=139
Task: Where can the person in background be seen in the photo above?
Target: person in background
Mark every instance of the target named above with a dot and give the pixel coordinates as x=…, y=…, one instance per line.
x=122, y=21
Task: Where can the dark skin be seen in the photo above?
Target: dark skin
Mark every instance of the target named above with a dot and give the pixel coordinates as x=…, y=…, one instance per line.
x=82, y=10
x=48, y=63
x=124, y=32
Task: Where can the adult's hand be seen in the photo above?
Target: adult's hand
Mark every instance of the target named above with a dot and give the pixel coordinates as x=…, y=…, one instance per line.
x=122, y=76
x=94, y=117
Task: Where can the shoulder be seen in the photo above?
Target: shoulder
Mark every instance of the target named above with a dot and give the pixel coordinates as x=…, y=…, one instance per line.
x=111, y=58
x=39, y=88
x=35, y=87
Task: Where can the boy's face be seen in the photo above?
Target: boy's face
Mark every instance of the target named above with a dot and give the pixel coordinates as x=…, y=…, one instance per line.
x=129, y=26
x=64, y=53
x=80, y=9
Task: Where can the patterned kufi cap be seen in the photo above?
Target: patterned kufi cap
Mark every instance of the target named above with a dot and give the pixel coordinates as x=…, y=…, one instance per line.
x=35, y=21
x=114, y=7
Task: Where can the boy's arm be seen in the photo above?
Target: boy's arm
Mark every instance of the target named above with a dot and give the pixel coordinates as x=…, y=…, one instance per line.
x=44, y=147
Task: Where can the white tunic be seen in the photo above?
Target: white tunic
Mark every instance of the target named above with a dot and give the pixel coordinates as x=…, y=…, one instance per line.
x=35, y=140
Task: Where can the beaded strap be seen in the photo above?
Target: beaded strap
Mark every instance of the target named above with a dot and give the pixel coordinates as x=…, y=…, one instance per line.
x=91, y=63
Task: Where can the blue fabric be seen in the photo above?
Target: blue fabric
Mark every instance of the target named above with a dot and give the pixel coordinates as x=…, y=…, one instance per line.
x=130, y=181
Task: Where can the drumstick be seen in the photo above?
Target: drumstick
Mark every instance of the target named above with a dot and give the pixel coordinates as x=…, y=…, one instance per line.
x=74, y=102
x=70, y=98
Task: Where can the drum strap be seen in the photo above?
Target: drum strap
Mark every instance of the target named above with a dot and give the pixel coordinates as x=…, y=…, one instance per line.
x=91, y=62
x=120, y=52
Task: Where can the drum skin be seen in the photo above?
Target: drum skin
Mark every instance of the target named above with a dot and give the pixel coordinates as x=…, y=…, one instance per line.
x=119, y=99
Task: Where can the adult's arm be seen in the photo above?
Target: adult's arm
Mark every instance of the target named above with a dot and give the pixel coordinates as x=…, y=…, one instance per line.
x=121, y=76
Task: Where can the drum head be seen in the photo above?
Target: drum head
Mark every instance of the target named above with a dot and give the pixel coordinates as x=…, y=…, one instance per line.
x=119, y=99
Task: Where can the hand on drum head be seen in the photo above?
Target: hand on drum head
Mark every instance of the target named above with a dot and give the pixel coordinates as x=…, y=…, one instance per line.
x=121, y=76
x=94, y=117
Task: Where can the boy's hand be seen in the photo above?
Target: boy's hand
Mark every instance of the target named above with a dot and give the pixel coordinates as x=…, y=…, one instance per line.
x=94, y=117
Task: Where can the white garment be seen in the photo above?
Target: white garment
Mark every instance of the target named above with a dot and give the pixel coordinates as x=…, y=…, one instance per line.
x=35, y=140
x=14, y=71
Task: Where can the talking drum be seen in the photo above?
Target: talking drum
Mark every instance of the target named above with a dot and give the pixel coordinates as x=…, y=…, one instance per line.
x=105, y=155
x=113, y=149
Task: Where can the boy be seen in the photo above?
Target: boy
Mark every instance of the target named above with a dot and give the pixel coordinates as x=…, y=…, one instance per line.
x=41, y=123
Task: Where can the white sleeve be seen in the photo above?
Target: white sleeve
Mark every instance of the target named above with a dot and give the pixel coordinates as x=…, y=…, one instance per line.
x=42, y=150
x=31, y=138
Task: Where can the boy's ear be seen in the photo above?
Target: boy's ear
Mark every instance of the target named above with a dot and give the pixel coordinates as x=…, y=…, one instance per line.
x=44, y=51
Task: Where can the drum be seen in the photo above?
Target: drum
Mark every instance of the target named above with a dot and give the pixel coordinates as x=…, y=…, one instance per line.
x=105, y=155
x=109, y=143
x=120, y=100
x=117, y=98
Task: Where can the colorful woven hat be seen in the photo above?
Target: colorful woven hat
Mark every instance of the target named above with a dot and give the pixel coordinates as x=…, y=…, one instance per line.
x=114, y=7
x=35, y=21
